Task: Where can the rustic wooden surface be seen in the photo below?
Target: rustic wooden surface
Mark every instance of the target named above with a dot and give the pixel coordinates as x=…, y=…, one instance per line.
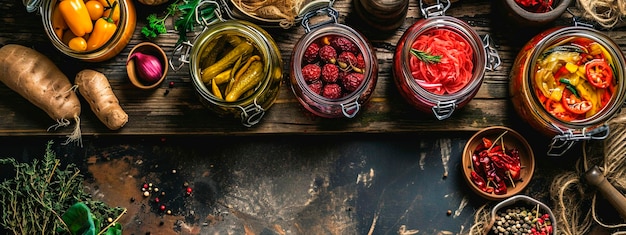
x=181, y=113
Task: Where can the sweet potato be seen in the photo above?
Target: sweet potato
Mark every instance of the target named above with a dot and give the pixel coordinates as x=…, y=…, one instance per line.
x=36, y=78
x=95, y=88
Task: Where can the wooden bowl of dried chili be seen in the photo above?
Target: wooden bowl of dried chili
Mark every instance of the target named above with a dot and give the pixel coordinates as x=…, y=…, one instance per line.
x=497, y=163
x=534, y=13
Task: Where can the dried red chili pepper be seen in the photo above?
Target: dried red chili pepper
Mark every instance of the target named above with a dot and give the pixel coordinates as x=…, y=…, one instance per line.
x=479, y=181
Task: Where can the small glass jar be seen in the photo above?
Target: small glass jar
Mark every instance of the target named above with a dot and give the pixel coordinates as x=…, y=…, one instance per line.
x=251, y=106
x=528, y=85
x=351, y=96
x=117, y=43
x=282, y=16
x=382, y=15
x=423, y=95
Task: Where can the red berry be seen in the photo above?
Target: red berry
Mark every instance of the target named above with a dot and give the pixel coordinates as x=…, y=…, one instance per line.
x=330, y=73
x=311, y=72
x=316, y=87
x=157, y=200
x=310, y=54
x=332, y=91
x=328, y=54
x=343, y=44
x=188, y=190
x=352, y=81
x=346, y=59
x=360, y=62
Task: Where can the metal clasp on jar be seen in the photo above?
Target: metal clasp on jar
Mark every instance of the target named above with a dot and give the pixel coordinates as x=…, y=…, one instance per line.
x=331, y=12
x=184, y=48
x=351, y=109
x=251, y=114
x=437, y=9
x=563, y=142
x=492, y=56
x=444, y=109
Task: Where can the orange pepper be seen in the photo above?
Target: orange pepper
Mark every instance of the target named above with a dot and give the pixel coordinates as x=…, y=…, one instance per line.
x=58, y=23
x=103, y=31
x=76, y=16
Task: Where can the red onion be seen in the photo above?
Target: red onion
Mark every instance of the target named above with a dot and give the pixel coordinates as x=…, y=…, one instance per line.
x=148, y=67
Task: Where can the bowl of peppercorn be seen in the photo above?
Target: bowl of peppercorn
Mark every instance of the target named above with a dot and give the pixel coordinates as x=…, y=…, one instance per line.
x=497, y=163
x=521, y=214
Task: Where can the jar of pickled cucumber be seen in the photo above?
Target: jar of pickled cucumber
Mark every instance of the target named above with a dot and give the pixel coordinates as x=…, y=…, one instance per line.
x=235, y=67
x=567, y=82
x=440, y=62
x=333, y=69
x=85, y=44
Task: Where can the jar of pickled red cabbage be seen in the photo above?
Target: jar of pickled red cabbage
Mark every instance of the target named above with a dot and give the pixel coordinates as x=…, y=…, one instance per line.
x=439, y=63
x=567, y=82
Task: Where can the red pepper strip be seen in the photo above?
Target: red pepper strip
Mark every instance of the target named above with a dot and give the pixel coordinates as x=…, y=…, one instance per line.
x=500, y=187
x=479, y=181
x=487, y=143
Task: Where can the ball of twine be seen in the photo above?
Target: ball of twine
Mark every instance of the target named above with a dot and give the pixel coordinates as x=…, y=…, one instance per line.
x=608, y=13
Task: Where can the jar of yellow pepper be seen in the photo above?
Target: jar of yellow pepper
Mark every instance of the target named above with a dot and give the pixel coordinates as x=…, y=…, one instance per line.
x=567, y=82
x=93, y=30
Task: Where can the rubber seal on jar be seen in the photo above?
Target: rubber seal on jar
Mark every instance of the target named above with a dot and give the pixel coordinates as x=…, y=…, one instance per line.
x=251, y=114
x=444, y=109
x=563, y=142
x=351, y=109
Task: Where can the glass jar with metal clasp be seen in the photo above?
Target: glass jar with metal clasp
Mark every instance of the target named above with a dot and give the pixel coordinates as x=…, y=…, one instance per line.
x=271, y=13
x=235, y=67
x=567, y=82
x=440, y=61
x=333, y=69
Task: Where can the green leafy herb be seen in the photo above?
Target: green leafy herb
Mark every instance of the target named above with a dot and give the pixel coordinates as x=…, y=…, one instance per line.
x=425, y=56
x=187, y=20
x=34, y=201
x=184, y=14
x=156, y=25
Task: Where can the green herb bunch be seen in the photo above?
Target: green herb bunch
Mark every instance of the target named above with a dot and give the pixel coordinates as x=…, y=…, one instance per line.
x=184, y=13
x=38, y=200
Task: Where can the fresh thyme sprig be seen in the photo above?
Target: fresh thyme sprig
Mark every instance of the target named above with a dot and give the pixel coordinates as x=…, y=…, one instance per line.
x=425, y=56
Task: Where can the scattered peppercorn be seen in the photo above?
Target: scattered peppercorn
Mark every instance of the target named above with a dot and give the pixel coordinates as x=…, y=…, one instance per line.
x=162, y=207
x=171, y=84
x=146, y=194
x=169, y=212
x=449, y=212
x=132, y=199
x=157, y=200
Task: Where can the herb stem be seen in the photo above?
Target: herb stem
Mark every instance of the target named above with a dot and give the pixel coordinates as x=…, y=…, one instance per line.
x=425, y=56
x=114, y=221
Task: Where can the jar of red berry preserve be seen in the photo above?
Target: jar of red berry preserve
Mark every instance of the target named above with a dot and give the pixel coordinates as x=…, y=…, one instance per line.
x=235, y=67
x=567, y=82
x=333, y=67
x=533, y=12
x=440, y=61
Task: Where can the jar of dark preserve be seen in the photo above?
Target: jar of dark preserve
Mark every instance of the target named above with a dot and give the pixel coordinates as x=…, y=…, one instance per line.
x=440, y=62
x=334, y=69
x=567, y=82
x=125, y=19
x=235, y=67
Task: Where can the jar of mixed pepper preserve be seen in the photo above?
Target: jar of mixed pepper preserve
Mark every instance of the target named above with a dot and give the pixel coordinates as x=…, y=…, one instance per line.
x=90, y=37
x=333, y=69
x=567, y=82
x=440, y=61
x=235, y=67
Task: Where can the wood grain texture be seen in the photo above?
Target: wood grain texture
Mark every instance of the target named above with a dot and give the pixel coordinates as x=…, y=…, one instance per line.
x=181, y=113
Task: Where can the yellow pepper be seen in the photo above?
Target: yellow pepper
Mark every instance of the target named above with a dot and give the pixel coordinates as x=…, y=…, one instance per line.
x=76, y=16
x=103, y=31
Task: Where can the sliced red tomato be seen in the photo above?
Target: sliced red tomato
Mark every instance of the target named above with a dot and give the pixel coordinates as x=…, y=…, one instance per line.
x=558, y=110
x=599, y=73
x=574, y=104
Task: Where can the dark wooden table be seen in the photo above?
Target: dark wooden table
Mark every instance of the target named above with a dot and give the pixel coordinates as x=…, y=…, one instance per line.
x=381, y=172
x=181, y=113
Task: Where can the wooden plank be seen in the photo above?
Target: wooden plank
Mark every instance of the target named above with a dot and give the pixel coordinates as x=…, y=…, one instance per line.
x=180, y=112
